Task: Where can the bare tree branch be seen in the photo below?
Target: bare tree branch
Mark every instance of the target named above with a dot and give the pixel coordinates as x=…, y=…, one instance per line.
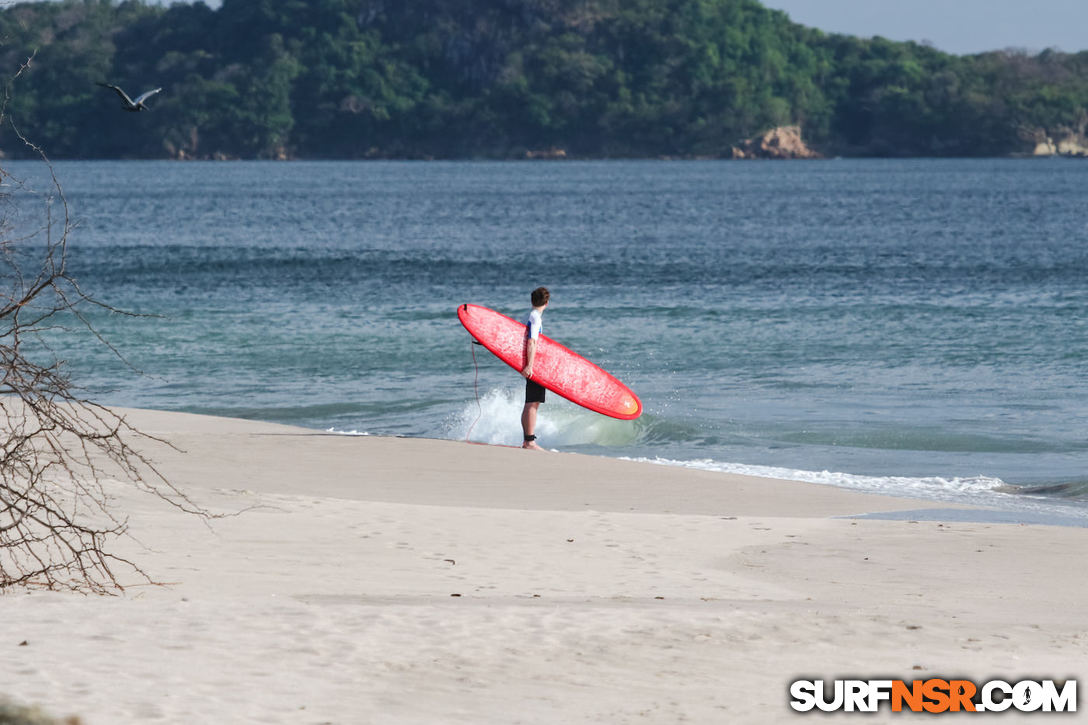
x=57, y=448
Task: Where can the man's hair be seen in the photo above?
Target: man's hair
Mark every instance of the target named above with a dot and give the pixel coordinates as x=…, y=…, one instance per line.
x=540, y=296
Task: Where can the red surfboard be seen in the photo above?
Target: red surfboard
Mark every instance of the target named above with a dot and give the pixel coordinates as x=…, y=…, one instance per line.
x=555, y=367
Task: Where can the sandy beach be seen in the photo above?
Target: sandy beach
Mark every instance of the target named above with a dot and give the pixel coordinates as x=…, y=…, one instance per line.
x=394, y=580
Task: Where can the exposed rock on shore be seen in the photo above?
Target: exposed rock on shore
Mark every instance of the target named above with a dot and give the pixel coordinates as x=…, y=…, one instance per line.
x=783, y=142
x=547, y=154
x=1062, y=141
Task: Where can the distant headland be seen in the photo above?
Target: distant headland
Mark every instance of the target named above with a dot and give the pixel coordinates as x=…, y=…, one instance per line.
x=513, y=79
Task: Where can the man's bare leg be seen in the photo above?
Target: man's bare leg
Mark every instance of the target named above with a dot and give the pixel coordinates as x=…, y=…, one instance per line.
x=528, y=425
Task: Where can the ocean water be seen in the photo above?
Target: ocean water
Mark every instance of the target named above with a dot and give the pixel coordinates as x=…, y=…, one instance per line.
x=907, y=326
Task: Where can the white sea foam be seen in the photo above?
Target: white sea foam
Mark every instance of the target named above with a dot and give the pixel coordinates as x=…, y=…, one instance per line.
x=497, y=421
x=961, y=489
x=988, y=492
x=347, y=432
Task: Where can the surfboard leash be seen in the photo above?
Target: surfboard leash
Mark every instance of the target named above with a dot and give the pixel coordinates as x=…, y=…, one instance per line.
x=475, y=389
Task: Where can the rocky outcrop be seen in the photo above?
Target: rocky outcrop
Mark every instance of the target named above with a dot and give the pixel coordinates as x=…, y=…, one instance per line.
x=552, y=154
x=1068, y=146
x=1061, y=141
x=783, y=142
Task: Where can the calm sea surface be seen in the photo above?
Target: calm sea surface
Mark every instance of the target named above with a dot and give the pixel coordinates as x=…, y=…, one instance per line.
x=911, y=326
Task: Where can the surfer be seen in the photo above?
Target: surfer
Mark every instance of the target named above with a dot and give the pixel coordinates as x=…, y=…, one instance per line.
x=534, y=393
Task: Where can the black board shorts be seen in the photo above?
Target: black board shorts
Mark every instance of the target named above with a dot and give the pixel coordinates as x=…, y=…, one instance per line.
x=534, y=392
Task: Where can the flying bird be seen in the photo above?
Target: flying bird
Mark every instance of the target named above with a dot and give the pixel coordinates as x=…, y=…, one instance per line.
x=127, y=103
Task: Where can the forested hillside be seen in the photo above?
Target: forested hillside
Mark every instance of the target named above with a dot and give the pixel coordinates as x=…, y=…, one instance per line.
x=498, y=78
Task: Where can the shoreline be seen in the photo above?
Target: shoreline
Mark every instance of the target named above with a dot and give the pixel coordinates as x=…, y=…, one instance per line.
x=1018, y=508
x=400, y=580
x=691, y=491
x=1013, y=156
x=1048, y=512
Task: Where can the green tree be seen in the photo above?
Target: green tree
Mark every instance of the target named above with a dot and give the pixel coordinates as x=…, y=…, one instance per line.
x=445, y=78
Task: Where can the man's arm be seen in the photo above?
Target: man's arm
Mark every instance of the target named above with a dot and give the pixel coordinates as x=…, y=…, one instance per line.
x=530, y=354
